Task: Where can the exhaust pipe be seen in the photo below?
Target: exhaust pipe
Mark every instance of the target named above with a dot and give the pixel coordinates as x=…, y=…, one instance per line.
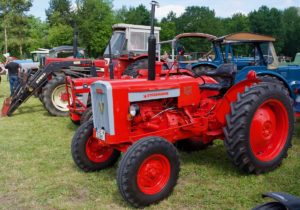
x=152, y=45
x=111, y=65
x=75, y=41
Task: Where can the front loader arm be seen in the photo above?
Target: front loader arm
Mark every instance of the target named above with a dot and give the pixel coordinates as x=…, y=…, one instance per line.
x=38, y=80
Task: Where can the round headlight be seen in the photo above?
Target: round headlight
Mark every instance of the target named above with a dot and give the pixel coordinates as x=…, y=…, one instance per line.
x=134, y=110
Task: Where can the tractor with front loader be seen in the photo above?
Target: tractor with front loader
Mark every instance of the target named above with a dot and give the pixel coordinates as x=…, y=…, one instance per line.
x=128, y=53
x=144, y=118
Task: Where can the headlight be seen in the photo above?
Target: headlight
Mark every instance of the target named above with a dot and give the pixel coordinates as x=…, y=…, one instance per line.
x=134, y=110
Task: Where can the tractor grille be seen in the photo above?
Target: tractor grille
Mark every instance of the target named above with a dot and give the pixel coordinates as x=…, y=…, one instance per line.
x=102, y=106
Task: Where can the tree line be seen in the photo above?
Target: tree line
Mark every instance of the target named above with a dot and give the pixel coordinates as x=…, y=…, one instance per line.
x=22, y=33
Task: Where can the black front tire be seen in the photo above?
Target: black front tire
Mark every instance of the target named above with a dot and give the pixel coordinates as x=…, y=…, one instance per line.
x=237, y=132
x=79, y=152
x=131, y=164
x=87, y=115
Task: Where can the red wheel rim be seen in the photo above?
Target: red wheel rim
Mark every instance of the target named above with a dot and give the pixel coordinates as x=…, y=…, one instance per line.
x=269, y=130
x=64, y=96
x=154, y=174
x=96, y=152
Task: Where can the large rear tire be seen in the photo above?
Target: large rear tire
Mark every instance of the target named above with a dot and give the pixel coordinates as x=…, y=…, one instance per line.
x=55, y=97
x=133, y=68
x=88, y=154
x=259, y=128
x=148, y=171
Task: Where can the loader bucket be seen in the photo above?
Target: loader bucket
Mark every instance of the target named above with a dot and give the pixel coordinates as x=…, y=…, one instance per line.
x=5, y=107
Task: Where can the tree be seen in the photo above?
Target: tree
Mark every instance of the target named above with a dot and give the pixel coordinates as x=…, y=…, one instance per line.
x=59, y=12
x=94, y=19
x=61, y=21
x=291, y=26
x=14, y=23
x=237, y=23
x=268, y=21
x=38, y=34
x=199, y=19
x=134, y=15
x=168, y=30
x=60, y=35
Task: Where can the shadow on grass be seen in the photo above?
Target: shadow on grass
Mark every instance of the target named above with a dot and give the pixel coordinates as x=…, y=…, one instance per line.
x=213, y=157
x=72, y=126
x=28, y=110
x=297, y=129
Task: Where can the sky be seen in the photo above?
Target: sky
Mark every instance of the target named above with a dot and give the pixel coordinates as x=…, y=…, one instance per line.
x=223, y=8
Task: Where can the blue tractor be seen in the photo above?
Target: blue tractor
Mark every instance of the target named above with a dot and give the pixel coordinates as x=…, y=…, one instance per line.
x=185, y=52
x=256, y=52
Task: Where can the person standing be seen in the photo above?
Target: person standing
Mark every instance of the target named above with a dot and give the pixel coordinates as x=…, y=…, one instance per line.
x=13, y=71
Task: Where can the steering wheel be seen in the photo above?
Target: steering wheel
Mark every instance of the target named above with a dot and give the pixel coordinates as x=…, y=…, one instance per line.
x=206, y=55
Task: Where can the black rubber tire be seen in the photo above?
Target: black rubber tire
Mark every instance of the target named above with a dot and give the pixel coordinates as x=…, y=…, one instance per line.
x=47, y=95
x=189, y=145
x=129, y=166
x=270, y=206
x=270, y=78
x=78, y=150
x=133, y=68
x=86, y=115
x=237, y=130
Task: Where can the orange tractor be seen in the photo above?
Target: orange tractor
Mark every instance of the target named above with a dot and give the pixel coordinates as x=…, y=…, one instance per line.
x=144, y=118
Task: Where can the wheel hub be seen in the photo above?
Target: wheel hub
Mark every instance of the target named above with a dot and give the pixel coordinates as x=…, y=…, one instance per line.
x=153, y=174
x=60, y=98
x=96, y=152
x=268, y=130
x=64, y=96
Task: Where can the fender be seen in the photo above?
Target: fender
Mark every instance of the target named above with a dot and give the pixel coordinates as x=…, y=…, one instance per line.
x=206, y=63
x=223, y=108
x=262, y=71
x=289, y=201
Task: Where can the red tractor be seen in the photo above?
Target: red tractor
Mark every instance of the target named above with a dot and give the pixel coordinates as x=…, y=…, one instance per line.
x=145, y=118
x=129, y=54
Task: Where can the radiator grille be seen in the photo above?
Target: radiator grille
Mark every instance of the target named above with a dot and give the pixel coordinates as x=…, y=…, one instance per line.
x=102, y=106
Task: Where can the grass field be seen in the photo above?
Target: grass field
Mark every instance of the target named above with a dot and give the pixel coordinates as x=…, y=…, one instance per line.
x=37, y=171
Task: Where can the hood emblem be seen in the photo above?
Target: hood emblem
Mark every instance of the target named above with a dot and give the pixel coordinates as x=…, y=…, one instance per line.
x=101, y=107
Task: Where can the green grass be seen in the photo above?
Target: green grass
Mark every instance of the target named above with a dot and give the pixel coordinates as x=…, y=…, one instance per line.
x=37, y=171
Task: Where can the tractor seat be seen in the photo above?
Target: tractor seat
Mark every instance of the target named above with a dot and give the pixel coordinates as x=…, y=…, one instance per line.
x=226, y=74
x=219, y=86
x=225, y=70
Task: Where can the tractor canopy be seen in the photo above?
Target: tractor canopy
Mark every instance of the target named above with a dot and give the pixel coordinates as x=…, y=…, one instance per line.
x=256, y=47
x=65, y=52
x=191, y=50
x=128, y=39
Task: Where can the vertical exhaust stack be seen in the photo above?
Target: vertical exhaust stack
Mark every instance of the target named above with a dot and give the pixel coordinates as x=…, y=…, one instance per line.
x=75, y=41
x=152, y=45
x=111, y=65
